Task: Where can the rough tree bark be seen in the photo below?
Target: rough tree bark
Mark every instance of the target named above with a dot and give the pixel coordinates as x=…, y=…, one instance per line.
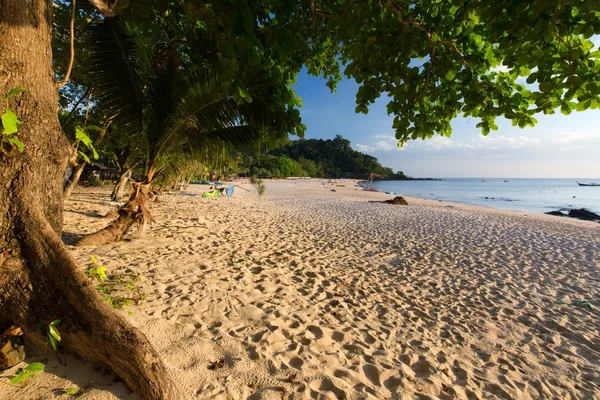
x=117, y=193
x=74, y=179
x=39, y=280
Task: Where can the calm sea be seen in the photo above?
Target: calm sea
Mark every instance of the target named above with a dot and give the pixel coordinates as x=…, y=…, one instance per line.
x=531, y=195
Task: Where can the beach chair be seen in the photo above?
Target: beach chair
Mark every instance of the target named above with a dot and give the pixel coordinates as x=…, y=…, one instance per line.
x=211, y=195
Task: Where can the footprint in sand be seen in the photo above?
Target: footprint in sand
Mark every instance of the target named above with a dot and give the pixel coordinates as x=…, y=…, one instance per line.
x=372, y=373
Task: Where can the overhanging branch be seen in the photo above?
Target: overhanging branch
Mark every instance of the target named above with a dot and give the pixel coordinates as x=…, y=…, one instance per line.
x=410, y=21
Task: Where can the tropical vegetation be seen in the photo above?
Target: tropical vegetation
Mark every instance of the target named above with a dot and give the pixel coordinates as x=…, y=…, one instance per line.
x=317, y=158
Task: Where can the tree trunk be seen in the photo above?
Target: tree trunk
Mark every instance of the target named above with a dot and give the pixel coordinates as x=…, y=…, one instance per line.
x=39, y=280
x=135, y=210
x=117, y=193
x=72, y=182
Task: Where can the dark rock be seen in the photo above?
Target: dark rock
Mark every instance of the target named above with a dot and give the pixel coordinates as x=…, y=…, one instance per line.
x=398, y=201
x=584, y=214
x=557, y=214
x=580, y=213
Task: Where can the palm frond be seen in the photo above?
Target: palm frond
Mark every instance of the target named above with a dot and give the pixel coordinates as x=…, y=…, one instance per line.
x=116, y=75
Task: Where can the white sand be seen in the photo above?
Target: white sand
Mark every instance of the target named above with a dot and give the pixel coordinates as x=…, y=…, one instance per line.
x=309, y=293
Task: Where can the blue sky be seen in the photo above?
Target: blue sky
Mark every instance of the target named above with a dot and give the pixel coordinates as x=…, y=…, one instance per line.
x=558, y=146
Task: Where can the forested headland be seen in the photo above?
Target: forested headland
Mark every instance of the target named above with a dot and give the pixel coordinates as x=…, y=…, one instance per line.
x=318, y=158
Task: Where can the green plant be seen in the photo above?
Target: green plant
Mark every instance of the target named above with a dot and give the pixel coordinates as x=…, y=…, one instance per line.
x=97, y=272
x=54, y=334
x=71, y=391
x=28, y=372
x=10, y=122
x=122, y=292
x=93, y=180
x=81, y=136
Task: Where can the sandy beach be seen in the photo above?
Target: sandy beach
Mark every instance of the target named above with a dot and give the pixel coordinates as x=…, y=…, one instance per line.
x=312, y=293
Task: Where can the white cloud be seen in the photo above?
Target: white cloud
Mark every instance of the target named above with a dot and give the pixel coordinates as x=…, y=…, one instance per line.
x=478, y=142
x=380, y=143
x=568, y=137
x=517, y=142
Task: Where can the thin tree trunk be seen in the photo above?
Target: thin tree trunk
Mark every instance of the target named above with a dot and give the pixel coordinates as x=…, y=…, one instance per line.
x=117, y=193
x=39, y=280
x=74, y=180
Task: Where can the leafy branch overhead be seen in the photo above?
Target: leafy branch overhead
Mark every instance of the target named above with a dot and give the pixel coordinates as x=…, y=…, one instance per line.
x=431, y=60
x=437, y=60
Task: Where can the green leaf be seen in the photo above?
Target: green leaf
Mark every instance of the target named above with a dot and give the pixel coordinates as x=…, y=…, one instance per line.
x=10, y=122
x=101, y=273
x=85, y=139
x=55, y=322
x=17, y=143
x=86, y=158
x=15, y=92
x=53, y=332
x=20, y=377
x=53, y=342
x=35, y=367
x=94, y=259
x=450, y=74
x=93, y=128
x=565, y=108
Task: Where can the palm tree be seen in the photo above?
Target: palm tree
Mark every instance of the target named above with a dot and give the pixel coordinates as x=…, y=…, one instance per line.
x=173, y=110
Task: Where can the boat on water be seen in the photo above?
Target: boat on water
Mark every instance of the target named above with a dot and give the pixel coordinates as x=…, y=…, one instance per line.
x=506, y=181
x=588, y=184
x=483, y=180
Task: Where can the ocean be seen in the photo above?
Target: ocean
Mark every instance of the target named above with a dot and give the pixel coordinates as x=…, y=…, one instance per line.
x=519, y=194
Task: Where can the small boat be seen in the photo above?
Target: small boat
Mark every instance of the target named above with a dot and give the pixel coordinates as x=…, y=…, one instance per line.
x=369, y=185
x=506, y=181
x=588, y=184
x=483, y=180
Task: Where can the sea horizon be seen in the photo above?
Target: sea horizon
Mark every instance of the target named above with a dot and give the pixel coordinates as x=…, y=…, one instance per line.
x=539, y=195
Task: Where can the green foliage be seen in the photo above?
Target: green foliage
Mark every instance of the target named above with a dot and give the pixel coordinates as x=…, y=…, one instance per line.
x=54, y=334
x=96, y=271
x=201, y=110
x=288, y=167
x=93, y=180
x=10, y=122
x=333, y=158
x=29, y=371
x=71, y=391
x=81, y=137
x=122, y=291
x=430, y=60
